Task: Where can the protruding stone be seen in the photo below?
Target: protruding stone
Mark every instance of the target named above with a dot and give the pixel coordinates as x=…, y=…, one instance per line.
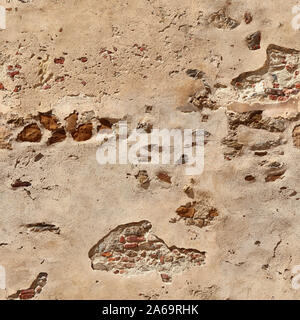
x=84, y=132
x=49, y=121
x=31, y=133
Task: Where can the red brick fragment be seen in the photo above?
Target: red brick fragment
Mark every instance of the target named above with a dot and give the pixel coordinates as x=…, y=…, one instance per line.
x=83, y=59
x=131, y=245
x=60, y=60
x=273, y=97
x=135, y=239
x=111, y=259
x=27, y=294
x=17, y=88
x=1, y=86
x=13, y=74
x=106, y=254
x=165, y=277
x=282, y=98
x=122, y=239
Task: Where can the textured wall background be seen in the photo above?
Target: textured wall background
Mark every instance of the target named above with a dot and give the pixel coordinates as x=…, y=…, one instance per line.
x=70, y=68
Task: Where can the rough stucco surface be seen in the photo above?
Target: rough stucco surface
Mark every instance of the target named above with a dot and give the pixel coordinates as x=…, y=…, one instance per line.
x=70, y=68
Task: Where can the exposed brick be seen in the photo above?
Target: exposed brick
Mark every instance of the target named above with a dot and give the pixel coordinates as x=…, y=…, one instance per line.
x=83, y=59
x=165, y=277
x=273, y=97
x=12, y=74
x=26, y=296
x=27, y=291
x=17, y=88
x=111, y=259
x=130, y=245
x=106, y=254
x=60, y=60
x=282, y=98
x=135, y=239
x=122, y=239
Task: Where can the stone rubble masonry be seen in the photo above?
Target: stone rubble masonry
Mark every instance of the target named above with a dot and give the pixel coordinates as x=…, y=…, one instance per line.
x=132, y=249
x=34, y=289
